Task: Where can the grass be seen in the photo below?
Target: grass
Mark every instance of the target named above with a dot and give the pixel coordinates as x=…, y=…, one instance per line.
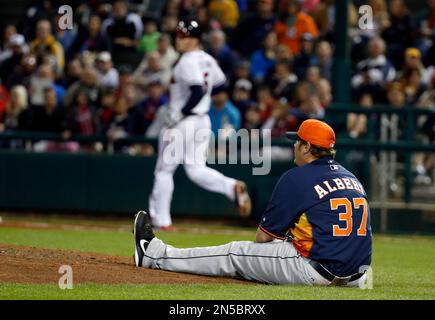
x=403, y=268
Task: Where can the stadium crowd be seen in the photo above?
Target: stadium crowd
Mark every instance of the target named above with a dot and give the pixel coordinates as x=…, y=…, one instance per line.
x=110, y=74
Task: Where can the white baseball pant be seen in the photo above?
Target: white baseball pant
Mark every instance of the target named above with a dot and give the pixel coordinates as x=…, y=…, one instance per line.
x=186, y=143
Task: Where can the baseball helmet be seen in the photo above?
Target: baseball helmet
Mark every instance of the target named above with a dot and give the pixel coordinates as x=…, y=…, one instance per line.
x=189, y=28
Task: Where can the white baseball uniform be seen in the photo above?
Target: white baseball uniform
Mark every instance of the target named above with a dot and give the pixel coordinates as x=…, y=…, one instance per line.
x=193, y=68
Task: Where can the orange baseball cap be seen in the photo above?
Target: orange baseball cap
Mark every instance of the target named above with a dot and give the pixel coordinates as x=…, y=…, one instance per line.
x=316, y=132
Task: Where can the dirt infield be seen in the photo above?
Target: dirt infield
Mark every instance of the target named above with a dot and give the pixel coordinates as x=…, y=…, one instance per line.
x=20, y=264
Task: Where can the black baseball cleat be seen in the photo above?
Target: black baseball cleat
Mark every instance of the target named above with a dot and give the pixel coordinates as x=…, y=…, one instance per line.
x=143, y=234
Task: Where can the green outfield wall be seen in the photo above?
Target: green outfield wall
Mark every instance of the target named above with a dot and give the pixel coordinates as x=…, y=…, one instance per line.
x=108, y=184
x=114, y=184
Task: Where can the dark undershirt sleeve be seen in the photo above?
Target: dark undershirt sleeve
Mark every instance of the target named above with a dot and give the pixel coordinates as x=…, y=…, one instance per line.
x=196, y=94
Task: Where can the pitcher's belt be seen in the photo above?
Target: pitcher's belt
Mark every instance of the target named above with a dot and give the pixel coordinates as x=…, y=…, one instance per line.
x=332, y=278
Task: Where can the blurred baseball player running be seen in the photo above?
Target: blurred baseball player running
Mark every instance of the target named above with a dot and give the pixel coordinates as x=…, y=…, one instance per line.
x=195, y=77
x=315, y=230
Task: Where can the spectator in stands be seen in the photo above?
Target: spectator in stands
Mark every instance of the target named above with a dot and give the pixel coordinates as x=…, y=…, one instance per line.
x=426, y=42
x=413, y=85
x=424, y=162
x=312, y=76
x=293, y=25
x=413, y=61
x=5, y=46
x=263, y=60
x=106, y=111
x=152, y=71
x=125, y=77
x=427, y=99
x=324, y=16
x=252, y=118
x=361, y=36
x=65, y=37
x=311, y=108
x=380, y=20
x=108, y=77
x=17, y=49
x=22, y=74
x=282, y=53
x=306, y=56
x=381, y=17
x=155, y=99
x=265, y=102
x=242, y=98
x=243, y=6
x=122, y=125
x=123, y=29
x=42, y=79
x=45, y=45
x=252, y=30
x=91, y=38
x=241, y=71
x=89, y=83
x=4, y=98
x=324, y=92
x=205, y=22
x=74, y=69
x=276, y=125
x=168, y=54
x=221, y=51
x=150, y=37
x=357, y=123
x=16, y=115
x=135, y=113
x=188, y=9
x=41, y=10
x=396, y=95
x=283, y=81
x=169, y=25
x=224, y=116
x=302, y=93
x=48, y=117
x=226, y=12
x=375, y=72
x=401, y=34
x=152, y=7
x=324, y=59
x=82, y=117
x=280, y=120
x=396, y=99
x=426, y=19
x=172, y=8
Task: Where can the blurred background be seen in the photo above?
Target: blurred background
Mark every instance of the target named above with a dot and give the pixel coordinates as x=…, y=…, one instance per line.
x=79, y=108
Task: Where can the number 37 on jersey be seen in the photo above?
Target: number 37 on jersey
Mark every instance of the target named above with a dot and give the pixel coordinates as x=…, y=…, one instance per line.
x=348, y=211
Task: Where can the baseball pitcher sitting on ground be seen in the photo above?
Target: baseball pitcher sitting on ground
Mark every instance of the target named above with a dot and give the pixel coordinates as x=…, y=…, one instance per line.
x=315, y=231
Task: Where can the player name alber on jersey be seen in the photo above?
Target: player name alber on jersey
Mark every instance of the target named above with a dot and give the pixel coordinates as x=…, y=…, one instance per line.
x=332, y=185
